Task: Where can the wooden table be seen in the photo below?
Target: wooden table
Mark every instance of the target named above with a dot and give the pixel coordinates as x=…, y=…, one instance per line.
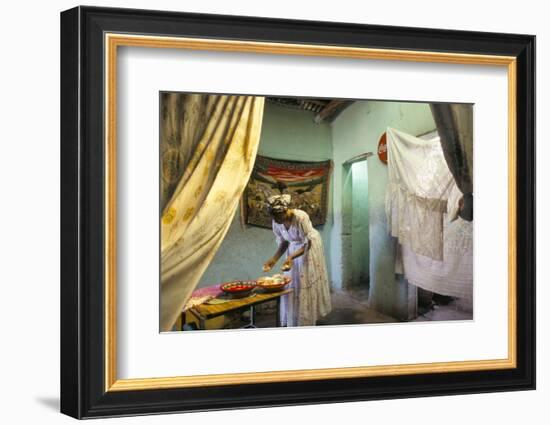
x=203, y=312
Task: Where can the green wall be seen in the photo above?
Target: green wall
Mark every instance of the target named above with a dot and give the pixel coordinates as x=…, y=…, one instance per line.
x=357, y=130
x=286, y=134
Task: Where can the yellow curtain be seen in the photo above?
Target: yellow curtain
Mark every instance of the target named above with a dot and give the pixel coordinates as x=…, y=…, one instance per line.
x=184, y=118
x=217, y=164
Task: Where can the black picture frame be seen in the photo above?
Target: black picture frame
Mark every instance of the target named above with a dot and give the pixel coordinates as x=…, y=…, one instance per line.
x=83, y=392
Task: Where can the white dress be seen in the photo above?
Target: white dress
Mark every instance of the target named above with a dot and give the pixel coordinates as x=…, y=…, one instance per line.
x=310, y=299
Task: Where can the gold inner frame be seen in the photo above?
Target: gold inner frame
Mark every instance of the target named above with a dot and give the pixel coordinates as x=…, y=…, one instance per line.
x=113, y=41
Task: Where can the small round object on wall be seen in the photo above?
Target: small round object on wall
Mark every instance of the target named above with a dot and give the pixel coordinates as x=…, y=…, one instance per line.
x=383, y=149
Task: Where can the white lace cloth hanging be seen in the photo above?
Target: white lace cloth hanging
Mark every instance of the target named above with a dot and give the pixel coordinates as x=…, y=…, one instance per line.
x=454, y=275
x=419, y=183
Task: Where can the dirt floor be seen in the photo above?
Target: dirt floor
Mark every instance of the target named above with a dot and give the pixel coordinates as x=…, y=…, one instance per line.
x=351, y=307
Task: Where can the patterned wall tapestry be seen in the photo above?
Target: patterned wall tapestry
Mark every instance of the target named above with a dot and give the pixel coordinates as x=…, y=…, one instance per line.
x=306, y=182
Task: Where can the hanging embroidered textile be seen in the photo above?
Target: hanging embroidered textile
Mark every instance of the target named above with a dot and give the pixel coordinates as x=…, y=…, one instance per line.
x=306, y=182
x=419, y=183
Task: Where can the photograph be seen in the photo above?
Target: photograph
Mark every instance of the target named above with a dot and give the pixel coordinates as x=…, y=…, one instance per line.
x=274, y=211
x=280, y=212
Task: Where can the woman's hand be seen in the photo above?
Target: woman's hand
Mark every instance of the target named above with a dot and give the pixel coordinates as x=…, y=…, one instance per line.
x=287, y=265
x=268, y=265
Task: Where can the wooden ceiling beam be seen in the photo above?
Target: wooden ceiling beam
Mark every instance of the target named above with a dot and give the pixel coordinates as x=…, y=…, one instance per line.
x=332, y=110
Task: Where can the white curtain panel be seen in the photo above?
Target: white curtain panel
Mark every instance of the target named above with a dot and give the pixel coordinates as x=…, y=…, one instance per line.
x=419, y=183
x=435, y=250
x=453, y=276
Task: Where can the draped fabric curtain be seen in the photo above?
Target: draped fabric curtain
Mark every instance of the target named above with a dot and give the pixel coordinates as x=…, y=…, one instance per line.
x=419, y=183
x=454, y=124
x=183, y=122
x=208, y=147
x=453, y=275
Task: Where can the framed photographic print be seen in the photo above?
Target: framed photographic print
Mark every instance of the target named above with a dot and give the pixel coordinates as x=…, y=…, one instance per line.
x=261, y=212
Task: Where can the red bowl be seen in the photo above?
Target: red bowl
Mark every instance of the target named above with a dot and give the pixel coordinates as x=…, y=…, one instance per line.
x=239, y=288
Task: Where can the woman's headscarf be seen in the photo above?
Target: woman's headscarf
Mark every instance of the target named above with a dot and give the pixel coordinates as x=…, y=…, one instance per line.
x=278, y=203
